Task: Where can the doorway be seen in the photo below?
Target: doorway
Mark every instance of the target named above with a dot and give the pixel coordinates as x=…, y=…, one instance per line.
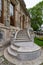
x=12, y=14
x=23, y=22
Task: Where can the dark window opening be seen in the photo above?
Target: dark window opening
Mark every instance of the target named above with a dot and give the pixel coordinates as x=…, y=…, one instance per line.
x=12, y=14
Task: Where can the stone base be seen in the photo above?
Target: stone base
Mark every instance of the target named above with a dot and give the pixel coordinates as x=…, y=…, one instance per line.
x=25, y=56
x=15, y=61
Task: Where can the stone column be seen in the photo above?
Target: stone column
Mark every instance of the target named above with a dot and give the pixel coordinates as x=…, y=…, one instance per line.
x=6, y=12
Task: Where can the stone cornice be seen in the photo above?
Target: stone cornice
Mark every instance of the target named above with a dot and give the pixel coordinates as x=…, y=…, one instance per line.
x=23, y=5
x=14, y=2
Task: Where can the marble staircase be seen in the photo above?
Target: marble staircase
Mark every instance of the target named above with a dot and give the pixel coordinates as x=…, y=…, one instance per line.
x=22, y=35
x=22, y=47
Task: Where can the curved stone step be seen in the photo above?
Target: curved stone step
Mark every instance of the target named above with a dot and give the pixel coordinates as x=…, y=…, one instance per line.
x=27, y=55
x=29, y=48
x=21, y=40
x=14, y=48
x=15, y=45
x=24, y=44
x=12, y=52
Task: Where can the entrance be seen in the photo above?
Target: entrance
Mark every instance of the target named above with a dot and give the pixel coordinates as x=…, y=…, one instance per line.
x=23, y=22
x=12, y=14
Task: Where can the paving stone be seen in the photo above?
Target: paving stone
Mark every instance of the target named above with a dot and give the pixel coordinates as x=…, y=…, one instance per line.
x=3, y=61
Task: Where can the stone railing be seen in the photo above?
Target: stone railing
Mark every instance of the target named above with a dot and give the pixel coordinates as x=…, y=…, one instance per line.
x=6, y=33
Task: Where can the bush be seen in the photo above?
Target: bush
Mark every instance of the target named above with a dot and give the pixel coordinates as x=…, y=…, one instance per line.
x=38, y=41
x=34, y=26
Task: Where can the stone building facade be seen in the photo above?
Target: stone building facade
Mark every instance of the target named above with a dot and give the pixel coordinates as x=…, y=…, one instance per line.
x=14, y=13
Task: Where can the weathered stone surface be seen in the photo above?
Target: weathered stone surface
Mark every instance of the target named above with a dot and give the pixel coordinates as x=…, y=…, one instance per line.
x=19, y=12
x=37, y=61
x=25, y=50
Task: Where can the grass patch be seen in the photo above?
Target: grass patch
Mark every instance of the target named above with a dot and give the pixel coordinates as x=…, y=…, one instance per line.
x=38, y=41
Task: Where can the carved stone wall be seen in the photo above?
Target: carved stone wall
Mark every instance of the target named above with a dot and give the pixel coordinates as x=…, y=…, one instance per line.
x=19, y=12
x=6, y=12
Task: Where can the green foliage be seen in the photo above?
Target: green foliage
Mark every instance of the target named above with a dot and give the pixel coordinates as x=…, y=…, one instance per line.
x=36, y=15
x=38, y=42
x=35, y=26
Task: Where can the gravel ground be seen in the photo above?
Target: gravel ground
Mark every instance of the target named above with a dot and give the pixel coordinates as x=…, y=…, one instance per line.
x=3, y=61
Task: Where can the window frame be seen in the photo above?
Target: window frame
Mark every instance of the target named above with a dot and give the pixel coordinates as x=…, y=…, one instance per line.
x=13, y=13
